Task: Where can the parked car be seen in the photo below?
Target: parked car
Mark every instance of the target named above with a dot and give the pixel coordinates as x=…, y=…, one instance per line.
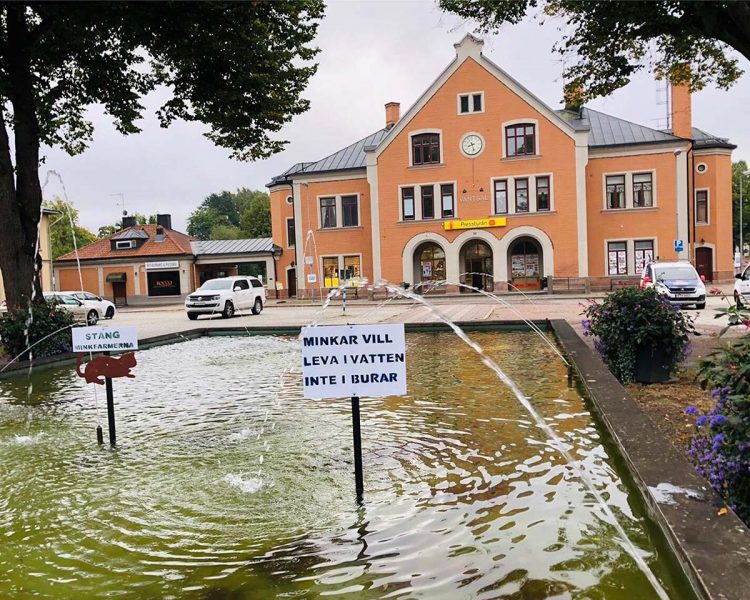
x=81, y=309
x=742, y=287
x=225, y=295
x=105, y=307
x=678, y=282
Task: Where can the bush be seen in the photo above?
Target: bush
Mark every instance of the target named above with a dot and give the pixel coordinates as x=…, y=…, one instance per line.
x=632, y=318
x=45, y=319
x=720, y=447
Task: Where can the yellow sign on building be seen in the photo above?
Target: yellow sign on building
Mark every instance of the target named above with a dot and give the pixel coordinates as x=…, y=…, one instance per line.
x=475, y=223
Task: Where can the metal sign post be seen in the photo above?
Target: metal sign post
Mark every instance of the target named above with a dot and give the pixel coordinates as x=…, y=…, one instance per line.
x=110, y=409
x=340, y=361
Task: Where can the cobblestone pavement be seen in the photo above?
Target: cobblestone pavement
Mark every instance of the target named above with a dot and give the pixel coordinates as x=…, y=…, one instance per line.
x=172, y=319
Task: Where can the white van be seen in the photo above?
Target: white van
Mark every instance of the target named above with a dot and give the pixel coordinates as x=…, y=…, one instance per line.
x=225, y=296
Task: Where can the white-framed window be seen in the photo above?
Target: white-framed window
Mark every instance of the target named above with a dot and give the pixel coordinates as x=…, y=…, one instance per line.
x=428, y=201
x=124, y=244
x=520, y=138
x=340, y=268
x=523, y=194
x=290, y=232
x=623, y=190
x=339, y=211
x=628, y=256
x=290, y=199
x=702, y=216
x=425, y=147
x=470, y=103
x=701, y=168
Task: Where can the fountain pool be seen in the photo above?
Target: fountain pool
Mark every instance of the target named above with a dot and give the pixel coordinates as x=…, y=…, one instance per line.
x=225, y=485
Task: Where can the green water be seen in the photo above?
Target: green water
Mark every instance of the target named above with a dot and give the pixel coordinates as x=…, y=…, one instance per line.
x=227, y=484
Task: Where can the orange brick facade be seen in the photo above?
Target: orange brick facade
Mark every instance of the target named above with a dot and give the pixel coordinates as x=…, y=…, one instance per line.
x=570, y=206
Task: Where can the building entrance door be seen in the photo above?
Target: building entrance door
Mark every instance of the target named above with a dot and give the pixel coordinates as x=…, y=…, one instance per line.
x=291, y=282
x=525, y=264
x=704, y=263
x=119, y=293
x=477, y=261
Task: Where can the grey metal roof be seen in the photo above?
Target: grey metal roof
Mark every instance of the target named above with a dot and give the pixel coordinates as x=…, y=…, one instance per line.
x=351, y=157
x=248, y=246
x=130, y=234
x=707, y=140
x=606, y=130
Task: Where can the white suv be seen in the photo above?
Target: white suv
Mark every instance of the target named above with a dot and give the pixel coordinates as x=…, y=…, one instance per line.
x=226, y=295
x=678, y=282
x=742, y=287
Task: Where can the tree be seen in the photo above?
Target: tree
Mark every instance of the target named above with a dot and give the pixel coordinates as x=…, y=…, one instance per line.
x=610, y=41
x=232, y=215
x=237, y=67
x=738, y=169
x=256, y=219
x=63, y=226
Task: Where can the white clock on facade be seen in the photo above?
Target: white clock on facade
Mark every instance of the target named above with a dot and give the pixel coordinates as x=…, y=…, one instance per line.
x=472, y=144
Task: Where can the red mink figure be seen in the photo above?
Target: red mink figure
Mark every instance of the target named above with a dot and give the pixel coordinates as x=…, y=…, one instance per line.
x=106, y=366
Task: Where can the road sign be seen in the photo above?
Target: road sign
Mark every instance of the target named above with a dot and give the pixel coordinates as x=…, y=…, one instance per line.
x=104, y=339
x=679, y=246
x=312, y=278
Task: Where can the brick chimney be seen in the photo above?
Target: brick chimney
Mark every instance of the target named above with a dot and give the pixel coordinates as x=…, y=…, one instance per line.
x=682, y=111
x=392, y=114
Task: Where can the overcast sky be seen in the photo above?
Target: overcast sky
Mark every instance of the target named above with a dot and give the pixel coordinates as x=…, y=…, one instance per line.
x=371, y=53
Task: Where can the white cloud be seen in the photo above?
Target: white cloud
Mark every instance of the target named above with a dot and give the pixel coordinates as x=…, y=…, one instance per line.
x=372, y=53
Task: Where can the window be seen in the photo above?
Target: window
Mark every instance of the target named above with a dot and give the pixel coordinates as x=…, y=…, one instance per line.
x=327, y=212
x=522, y=195
x=425, y=149
x=520, y=140
x=290, y=233
x=256, y=283
x=242, y=284
x=542, y=193
x=351, y=267
x=642, y=190
x=701, y=207
x=349, y=210
x=470, y=103
x=407, y=203
x=644, y=254
x=124, y=244
x=330, y=271
x=290, y=200
x=428, y=202
x=617, y=255
x=615, y=191
x=446, y=194
x=501, y=197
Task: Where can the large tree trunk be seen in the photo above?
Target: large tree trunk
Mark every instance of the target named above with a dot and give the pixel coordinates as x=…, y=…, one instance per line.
x=20, y=204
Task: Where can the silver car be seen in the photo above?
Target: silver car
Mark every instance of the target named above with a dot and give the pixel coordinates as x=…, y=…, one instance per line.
x=81, y=309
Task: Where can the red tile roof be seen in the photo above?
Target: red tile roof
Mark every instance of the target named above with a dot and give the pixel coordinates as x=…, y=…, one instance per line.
x=174, y=242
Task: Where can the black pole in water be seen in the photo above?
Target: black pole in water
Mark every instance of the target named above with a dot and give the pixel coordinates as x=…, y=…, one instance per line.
x=358, y=477
x=99, y=435
x=110, y=409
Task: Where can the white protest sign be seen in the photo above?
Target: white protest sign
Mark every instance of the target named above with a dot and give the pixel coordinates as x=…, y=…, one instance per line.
x=104, y=339
x=342, y=361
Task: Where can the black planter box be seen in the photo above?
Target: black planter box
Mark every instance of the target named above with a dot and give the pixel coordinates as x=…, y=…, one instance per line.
x=649, y=365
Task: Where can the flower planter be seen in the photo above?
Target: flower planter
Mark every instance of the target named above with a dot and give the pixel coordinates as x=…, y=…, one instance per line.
x=649, y=365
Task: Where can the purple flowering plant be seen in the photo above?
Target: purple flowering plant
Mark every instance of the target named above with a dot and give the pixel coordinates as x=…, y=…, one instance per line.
x=633, y=318
x=720, y=446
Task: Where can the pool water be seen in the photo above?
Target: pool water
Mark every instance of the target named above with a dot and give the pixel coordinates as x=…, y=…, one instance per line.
x=226, y=483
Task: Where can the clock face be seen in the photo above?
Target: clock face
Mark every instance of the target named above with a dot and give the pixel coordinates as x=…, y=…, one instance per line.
x=472, y=144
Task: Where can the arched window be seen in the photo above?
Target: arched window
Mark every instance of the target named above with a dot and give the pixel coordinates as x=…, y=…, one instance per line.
x=430, y=262
x=425, y=149
x=520, y=139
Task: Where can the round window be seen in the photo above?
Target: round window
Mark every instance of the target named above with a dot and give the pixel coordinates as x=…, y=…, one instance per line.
x=290, y=200
x=701, y=167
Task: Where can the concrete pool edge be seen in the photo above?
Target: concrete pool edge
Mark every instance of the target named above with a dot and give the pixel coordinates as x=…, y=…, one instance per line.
x=712, y=549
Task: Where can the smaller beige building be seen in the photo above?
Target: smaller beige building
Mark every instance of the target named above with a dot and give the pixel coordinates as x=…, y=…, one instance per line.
x=45, y=249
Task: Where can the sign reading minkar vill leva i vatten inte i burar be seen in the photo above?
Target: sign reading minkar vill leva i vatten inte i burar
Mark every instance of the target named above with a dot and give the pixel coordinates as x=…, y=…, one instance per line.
x=342, y=361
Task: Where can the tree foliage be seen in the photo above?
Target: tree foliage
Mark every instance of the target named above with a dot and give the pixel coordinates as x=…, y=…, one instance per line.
x=238, y=67
x=232, y=215
x=608, y=42
x=63, y=226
